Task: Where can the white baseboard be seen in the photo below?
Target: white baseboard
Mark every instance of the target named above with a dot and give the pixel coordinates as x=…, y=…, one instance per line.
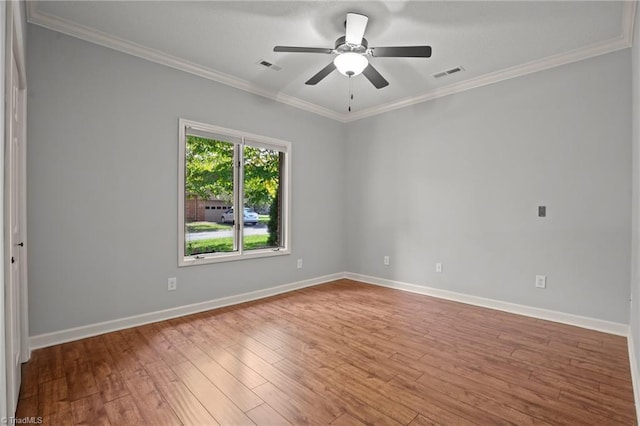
x=634, y=372
x=71, y=334
x=561, y=317
x=68, y=335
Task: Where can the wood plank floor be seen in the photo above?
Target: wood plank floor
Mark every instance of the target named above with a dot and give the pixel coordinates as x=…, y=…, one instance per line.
x=342, y=353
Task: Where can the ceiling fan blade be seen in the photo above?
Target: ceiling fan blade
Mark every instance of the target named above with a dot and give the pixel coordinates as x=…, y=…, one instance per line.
x=374, y=77
x=356, y=24
x=321, y=74
x=401, y=52
x=302, y=49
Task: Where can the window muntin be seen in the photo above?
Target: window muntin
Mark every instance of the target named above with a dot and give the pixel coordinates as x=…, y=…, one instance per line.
x=223, y=166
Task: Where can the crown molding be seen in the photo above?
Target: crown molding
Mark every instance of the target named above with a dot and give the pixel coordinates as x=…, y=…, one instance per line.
x=36, y=17
x=629, y=20
x=623, y=41
x=497, y=76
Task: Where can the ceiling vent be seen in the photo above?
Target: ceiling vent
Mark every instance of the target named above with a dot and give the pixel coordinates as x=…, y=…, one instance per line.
x=269, y=65
x=448, y=72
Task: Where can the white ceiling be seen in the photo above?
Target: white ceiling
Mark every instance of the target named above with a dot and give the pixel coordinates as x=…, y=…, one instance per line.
x=223, y=41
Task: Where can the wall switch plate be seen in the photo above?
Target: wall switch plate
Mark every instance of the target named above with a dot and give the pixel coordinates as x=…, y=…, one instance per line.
x=541, y=281
x=172, y=284
x=386, y=260
x=299, y=264
x=438, y=267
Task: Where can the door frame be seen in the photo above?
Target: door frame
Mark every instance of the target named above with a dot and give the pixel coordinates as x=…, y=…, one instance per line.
x=14, y=47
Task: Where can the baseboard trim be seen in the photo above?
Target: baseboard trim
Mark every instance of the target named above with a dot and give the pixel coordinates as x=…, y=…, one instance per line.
x=635, y=377
x=71, y=334
x=76, y=333
x=545, y=314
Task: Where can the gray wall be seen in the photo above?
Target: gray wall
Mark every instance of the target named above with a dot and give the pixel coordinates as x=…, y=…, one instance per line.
x=456, y=180
x=635, y=254
x=460, y=179
x=102, y=185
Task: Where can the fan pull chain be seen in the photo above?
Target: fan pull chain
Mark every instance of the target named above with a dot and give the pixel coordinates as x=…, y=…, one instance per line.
x=350, y=93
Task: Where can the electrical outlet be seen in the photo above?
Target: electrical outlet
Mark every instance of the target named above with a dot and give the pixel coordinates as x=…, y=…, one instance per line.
x=172, y=284
x=542, y=211
x=438, y=267
x=386, y=260
x=541, y=281
x=299, y=265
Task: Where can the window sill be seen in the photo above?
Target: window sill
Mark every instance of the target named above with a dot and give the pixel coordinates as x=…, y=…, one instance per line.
x=232, y=257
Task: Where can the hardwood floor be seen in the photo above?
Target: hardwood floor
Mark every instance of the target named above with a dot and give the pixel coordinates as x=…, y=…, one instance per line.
x=342, y=353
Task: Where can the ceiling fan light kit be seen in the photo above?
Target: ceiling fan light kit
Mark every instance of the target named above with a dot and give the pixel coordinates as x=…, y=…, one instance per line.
x=352, y=52
x=350, y=63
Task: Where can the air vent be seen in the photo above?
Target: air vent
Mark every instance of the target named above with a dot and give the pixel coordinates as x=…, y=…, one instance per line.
x=269, y=65
x=448, y=72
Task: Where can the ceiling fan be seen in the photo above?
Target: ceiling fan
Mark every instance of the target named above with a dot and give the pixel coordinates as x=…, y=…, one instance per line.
x=352, y=51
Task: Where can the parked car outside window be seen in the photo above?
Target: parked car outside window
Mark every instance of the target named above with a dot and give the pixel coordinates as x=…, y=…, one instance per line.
x=250, y=216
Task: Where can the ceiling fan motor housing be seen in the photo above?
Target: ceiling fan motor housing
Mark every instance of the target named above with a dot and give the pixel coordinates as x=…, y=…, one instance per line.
x=343, y=47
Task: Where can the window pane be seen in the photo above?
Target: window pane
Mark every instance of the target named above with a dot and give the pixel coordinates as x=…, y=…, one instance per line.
x=263, y=169
x=234, y=195
x=209, y=177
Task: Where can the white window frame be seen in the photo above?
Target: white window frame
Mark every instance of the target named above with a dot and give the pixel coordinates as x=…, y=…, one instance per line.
x=285, y=182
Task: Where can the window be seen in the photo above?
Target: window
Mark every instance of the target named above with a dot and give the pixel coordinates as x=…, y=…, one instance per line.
x=233, y=169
